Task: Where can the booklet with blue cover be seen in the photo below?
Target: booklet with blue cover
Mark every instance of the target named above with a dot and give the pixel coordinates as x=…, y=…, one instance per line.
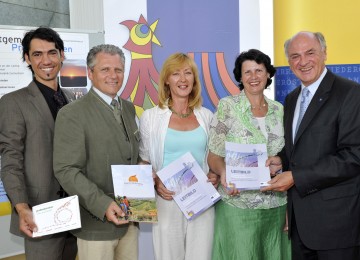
x=193, y=194
x=245, y=166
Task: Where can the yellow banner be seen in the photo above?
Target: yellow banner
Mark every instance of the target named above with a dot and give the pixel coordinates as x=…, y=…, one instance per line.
x=5, y=208
x=337, y=20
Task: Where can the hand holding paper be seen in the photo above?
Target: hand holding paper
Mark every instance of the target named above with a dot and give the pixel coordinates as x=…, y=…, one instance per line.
x=26, y=220
x=213, y=178
x=113, y=213
x=274, y=164
x=57, y=216
x=162, y=191
x=281, y=182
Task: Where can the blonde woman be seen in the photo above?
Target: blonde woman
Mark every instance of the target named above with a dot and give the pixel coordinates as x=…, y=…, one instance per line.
x=179, y=124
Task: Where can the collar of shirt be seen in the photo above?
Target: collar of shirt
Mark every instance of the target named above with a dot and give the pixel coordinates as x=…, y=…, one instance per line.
x=48, y=94
x=312, y=88
x=45, y=90
x=104, y=97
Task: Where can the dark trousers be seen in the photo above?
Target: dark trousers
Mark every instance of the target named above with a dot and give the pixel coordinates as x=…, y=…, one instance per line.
x=301, y=252
x=60, y=246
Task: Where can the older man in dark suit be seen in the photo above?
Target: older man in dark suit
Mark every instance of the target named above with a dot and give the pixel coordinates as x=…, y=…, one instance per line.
x=26, y=144
x=321, y=157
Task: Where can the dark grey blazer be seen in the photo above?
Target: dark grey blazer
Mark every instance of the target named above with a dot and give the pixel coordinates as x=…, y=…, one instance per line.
x=325, y=162
x=26, y=148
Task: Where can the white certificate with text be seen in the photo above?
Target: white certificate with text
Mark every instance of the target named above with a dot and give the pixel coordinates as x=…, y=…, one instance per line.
x=245, y=166
x=57, y=216
x=193, y=194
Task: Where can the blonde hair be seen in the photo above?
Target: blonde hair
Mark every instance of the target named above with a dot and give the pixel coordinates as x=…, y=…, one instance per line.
x=173, y=63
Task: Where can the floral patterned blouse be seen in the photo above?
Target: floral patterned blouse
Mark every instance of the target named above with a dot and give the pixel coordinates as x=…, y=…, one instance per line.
x=234, y=122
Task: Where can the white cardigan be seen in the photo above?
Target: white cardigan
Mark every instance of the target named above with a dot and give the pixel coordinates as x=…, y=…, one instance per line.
x=153, y=126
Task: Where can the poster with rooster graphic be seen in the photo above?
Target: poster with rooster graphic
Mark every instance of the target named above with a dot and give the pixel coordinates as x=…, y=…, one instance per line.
x=149, y=34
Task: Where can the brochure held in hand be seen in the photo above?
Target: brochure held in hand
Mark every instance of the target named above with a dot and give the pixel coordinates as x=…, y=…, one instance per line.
x=193, y=194
x=134, y=192
x=57, y=216
x=245, y=166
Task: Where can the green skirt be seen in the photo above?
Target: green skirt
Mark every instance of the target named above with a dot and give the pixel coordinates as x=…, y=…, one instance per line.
x=250, y=234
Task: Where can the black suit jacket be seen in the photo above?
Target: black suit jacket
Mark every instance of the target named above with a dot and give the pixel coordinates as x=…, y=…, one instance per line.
x=325, y=162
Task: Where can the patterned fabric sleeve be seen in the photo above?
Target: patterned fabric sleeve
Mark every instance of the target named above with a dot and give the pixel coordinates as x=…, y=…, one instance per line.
x=218, y=130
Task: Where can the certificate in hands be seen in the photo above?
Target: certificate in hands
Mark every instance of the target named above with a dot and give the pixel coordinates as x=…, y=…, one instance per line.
x=245, y=166
x=57, y=216
x=134, y=192
x=193, y=194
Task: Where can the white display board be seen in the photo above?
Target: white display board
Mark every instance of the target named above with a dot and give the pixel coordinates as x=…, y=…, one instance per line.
x=14, y=73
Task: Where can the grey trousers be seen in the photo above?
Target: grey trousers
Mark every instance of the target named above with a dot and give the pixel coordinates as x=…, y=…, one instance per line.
x=60, y=246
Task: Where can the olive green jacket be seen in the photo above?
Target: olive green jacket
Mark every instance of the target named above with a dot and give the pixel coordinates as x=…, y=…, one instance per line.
x=88, y=140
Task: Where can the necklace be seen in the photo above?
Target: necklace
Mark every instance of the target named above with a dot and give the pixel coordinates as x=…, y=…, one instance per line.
x=180, y=114
x=259, y=107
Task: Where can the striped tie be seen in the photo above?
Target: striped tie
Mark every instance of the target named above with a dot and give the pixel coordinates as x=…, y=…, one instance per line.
x=305, y=100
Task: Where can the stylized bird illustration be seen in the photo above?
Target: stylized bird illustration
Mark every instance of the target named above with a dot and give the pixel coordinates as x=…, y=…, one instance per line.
x=142, y=84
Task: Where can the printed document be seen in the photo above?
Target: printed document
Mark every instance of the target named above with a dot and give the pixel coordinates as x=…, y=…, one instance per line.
x=245, y=166
x=57, y=216
x=185, y=177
